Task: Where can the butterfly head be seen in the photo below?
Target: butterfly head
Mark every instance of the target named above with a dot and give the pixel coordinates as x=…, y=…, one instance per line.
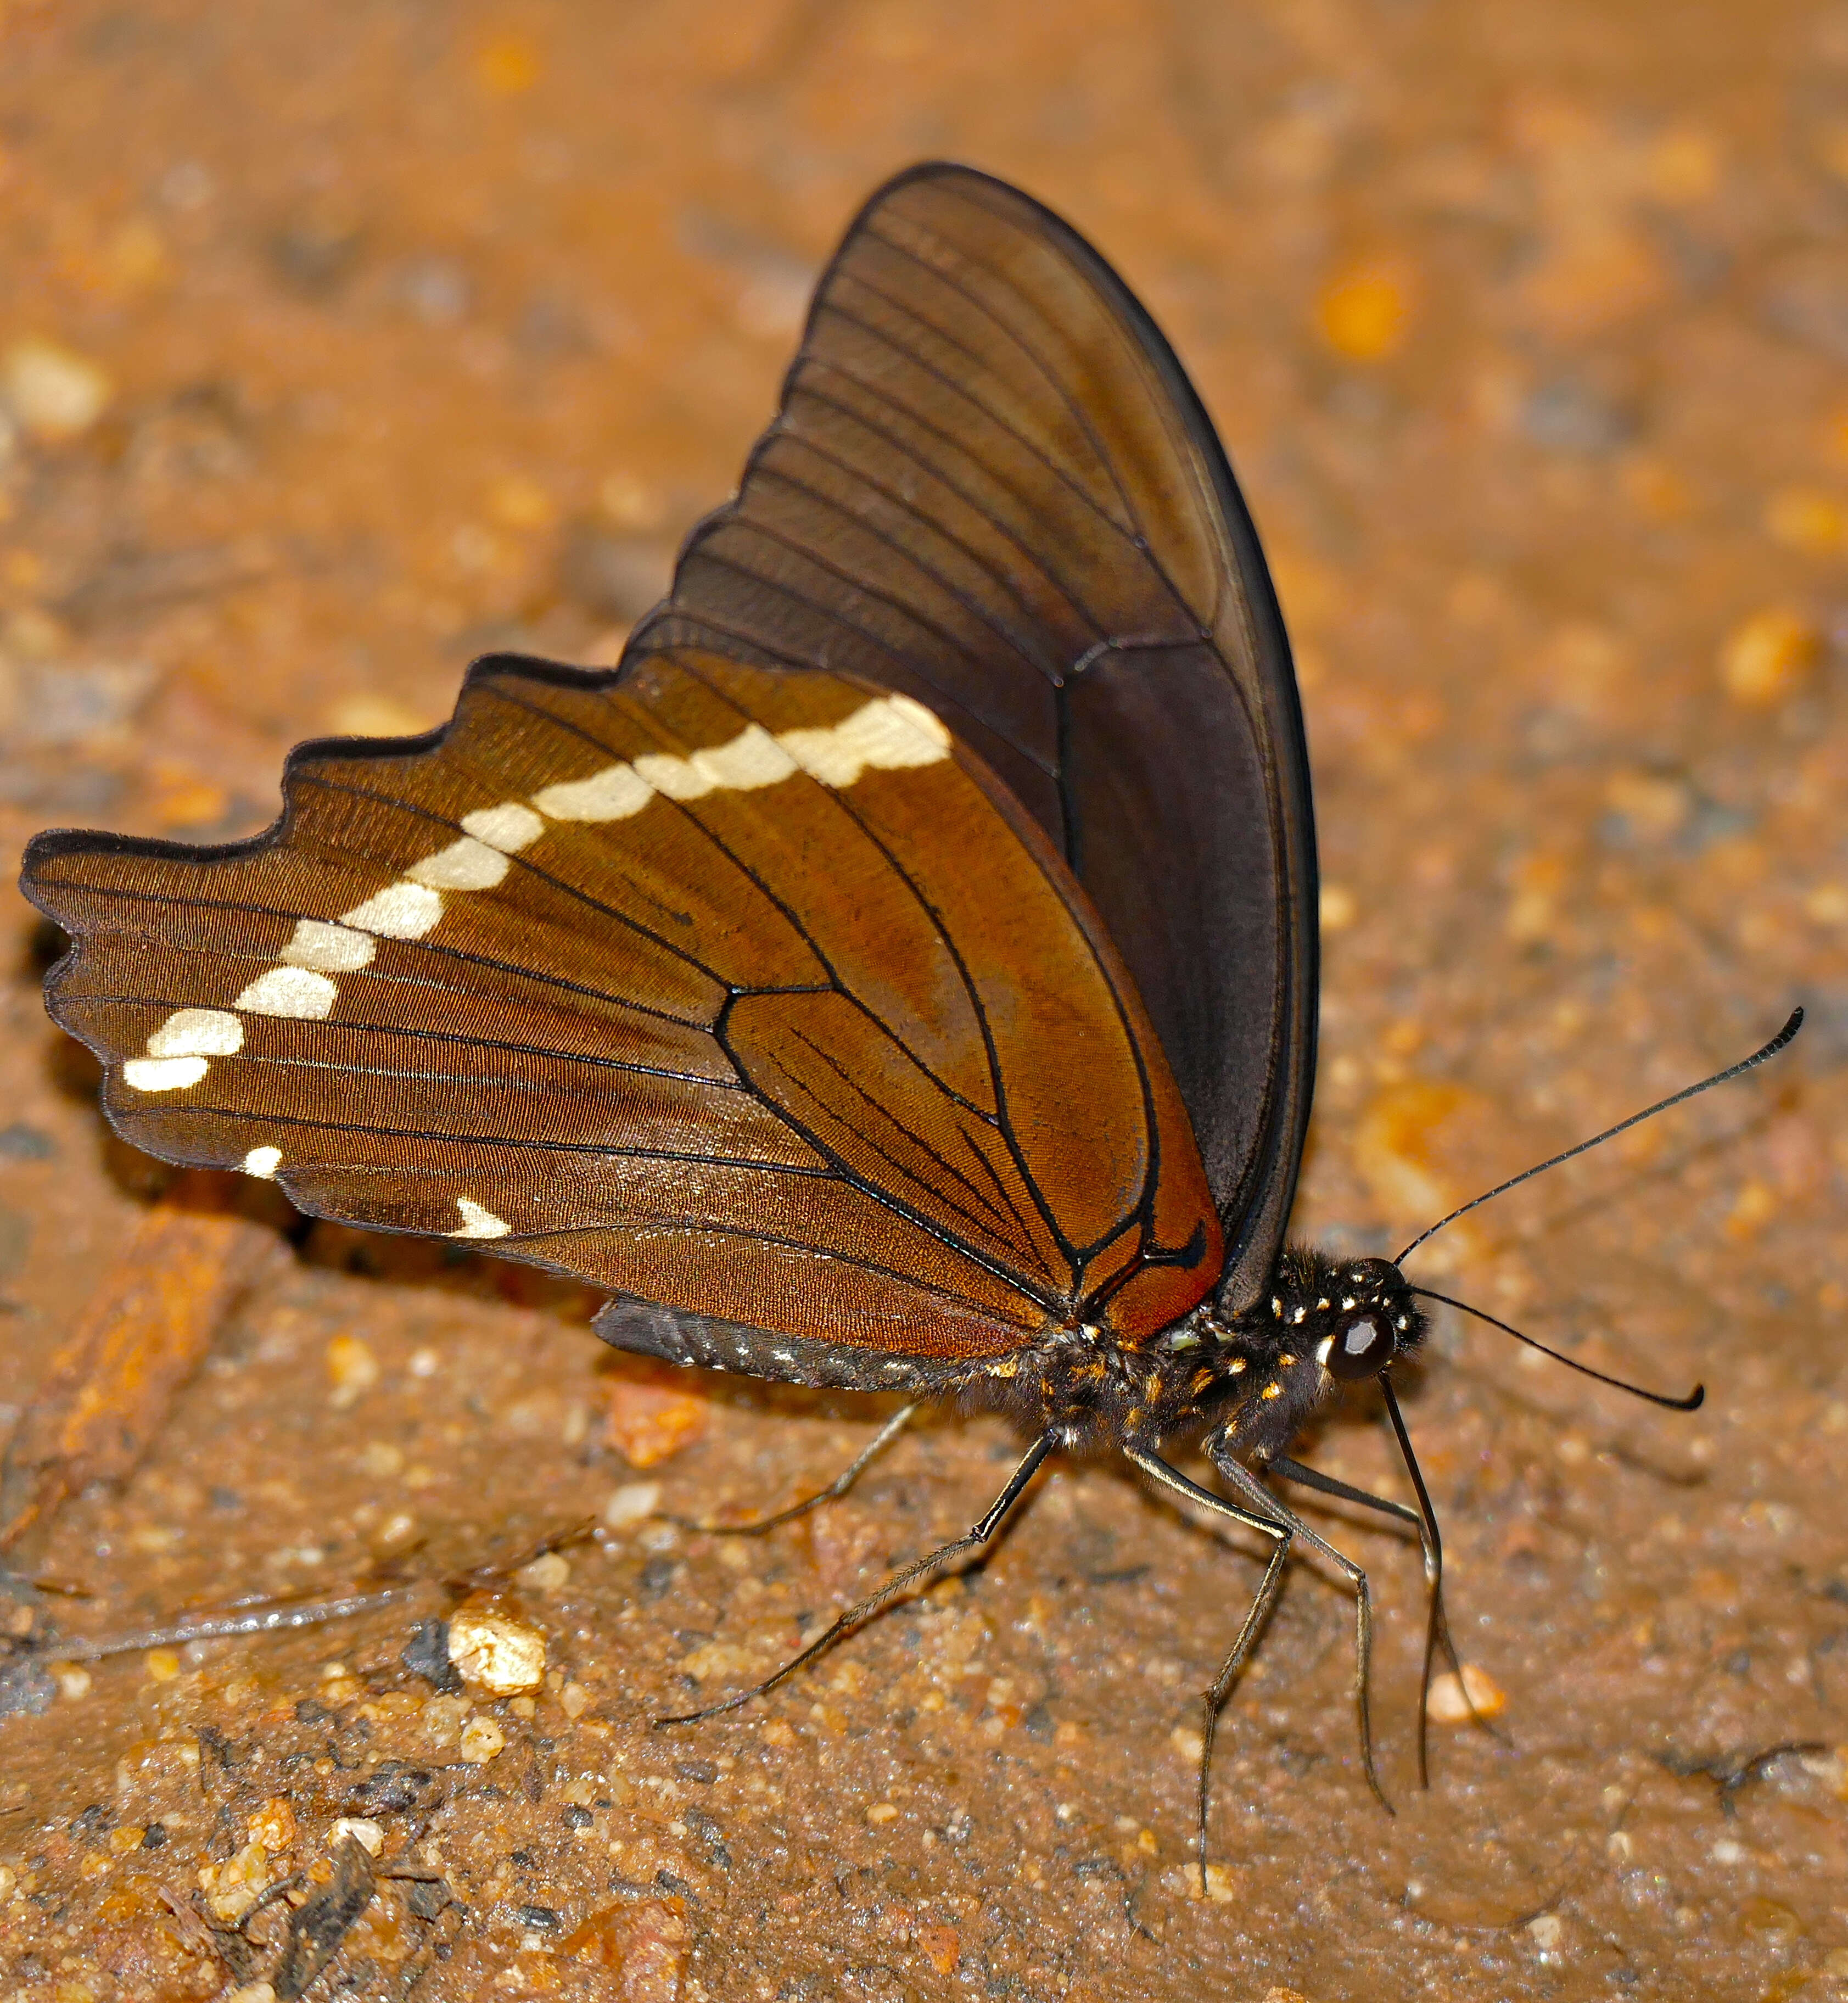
x=1370, y=1319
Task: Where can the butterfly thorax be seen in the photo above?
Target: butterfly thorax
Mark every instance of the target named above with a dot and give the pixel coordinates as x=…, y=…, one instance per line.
x=1258, y=1376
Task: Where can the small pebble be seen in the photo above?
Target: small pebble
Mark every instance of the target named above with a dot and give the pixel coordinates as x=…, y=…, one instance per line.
x=1338, y=909
x=1188, y=1743
x=352, y=1367
x=73, y=1680
x=370, y=1836
x=881, y=1811
x=632, y=1503
x=547, y=1573
x=53, y=391
x=495, y=1652
x=1450, y=1701
x=1363, y=312
x=1547, y=1932
x=482, y=1740
x=251, y=1992
x=163, y=1665
x=1768, y=657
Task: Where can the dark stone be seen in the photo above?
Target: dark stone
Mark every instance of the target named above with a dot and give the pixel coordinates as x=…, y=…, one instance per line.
x=656, y=1576
x=577, y=1818
x=393, y=1788
x=541, y=1916
x=427, y=1655
x=24, y=1688
x=428, y=1899
x=155, y=1836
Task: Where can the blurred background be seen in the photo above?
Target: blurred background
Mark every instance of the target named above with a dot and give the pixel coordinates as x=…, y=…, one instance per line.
x=338, y=345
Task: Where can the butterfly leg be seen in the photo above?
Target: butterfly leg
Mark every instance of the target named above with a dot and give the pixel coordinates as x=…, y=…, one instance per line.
x=1248, y=1483
x=1213, y=1701
x=838, y=1487
x=863, y=1610
x=1437, y=1622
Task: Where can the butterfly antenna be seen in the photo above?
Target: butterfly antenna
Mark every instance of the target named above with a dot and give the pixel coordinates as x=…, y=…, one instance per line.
x=1692, y=1402
x=1598, y=1140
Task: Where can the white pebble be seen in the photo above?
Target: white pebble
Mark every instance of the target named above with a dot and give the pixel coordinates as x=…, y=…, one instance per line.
x=632, y=1503
x=53, y=392
x=495, y=1653
x=482, y=1740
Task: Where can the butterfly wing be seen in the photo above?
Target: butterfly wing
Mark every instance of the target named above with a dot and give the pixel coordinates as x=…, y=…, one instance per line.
x=747, y=994
x=990, y=485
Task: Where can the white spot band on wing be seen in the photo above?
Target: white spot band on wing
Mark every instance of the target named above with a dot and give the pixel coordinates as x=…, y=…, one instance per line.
x=478, y=1221
x=613, y=794
x=263, y=1161
x=890, y=733
x=508, y=827
x=467, y=865
x=329, y=948
x=197, y=1033
x=400, y=911
x=164, y=1074
x=295, y=992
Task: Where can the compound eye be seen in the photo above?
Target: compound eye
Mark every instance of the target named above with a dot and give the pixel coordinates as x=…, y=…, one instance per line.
x=1362, y=1349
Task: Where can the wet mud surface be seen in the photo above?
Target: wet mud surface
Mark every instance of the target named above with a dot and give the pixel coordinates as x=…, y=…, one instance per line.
x=339, y=345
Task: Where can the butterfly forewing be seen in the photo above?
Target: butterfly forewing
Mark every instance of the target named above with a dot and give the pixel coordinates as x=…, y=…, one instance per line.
x=745, y=993
x=991, y=486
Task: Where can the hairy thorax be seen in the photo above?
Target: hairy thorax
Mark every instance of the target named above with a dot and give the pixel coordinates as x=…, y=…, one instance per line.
x=1260, y=1375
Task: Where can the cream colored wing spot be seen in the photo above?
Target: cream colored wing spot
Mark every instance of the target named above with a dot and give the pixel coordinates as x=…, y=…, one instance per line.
x=889, y=735
x=297, y=993
x=164, y=1074
x=508, y=827
x=197, y=1033
x=264, y=1163
x=478, y=1221
x=674, y=778
x=329, y=948
x=467, y=865
x=613, y=794
x=752, y=759
x=399, y=912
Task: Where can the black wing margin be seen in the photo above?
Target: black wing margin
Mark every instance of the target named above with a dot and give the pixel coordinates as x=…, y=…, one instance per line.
x=990, y=485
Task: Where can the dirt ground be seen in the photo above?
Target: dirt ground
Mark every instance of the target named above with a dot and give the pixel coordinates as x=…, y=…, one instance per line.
x=340, y=344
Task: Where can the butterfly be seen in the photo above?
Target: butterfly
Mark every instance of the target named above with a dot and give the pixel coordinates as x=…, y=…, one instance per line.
x=899, y=973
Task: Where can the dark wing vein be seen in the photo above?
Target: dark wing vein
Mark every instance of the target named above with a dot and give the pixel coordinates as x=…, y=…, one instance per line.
x=827, y=504
x=1138, y=534
x=998, y=578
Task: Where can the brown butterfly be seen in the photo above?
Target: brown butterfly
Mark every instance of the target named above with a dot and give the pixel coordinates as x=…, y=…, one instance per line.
x=900, y=973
